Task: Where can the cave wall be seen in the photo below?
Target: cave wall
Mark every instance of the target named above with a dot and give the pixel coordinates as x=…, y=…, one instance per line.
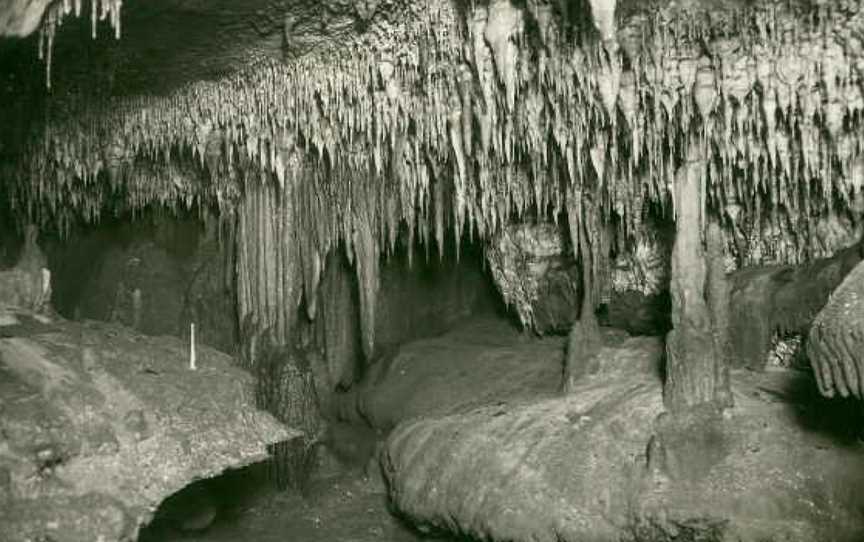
x=184, y=274
x=176, y=265
x=426, y=297
x=418, y=298
x=778, y=300
x=10, y=241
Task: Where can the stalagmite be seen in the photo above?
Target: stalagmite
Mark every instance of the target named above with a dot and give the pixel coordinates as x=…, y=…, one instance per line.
x=694, y=367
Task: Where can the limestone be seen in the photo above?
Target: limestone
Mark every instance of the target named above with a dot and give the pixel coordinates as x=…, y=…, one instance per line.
x=537, y=275
x=100, y=424
x=28, y=283
x=783, y=299
x=552, y=470
x=645, y=268
x=483, y=361
x=20, y=17
x=835, y=343
x=598, y=465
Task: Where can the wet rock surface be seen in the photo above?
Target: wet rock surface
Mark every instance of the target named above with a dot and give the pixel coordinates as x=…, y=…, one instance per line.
x=784, y=299
x=835, y=343
x=537, y=276
x=99, y=424
x=600, y=465
x=483, y=361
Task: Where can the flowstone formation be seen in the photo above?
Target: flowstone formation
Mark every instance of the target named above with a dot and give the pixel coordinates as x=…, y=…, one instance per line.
x=599, y=465
x=834, y=344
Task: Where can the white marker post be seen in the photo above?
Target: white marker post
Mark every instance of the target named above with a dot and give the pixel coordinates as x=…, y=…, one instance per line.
x=192, y=365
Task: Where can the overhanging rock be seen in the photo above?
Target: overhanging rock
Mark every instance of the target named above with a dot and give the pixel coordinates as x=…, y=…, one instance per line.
x=98, y=425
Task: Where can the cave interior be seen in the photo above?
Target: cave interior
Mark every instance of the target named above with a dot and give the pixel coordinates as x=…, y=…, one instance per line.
x=503, y=270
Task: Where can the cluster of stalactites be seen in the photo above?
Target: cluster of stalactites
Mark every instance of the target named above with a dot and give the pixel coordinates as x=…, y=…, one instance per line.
x=282, y=248
x=100, y=10
x=485, y=124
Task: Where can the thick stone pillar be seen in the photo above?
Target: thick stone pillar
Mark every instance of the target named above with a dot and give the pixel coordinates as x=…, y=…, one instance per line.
x=696, y=371
x=584, y=340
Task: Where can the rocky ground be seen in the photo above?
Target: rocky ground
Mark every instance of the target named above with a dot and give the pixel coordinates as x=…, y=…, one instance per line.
x=518, y=461
x=342, y=506
x=347, y=499
x=99, y=424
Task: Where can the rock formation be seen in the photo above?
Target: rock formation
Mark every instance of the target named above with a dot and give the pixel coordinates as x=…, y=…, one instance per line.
x=101, y=424
x=766, y=301
x=599, y=465
x=834, y=344
x=537, y=276
x=325, y=137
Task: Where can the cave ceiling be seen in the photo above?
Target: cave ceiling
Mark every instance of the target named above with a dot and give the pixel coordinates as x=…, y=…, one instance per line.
x=167, y=43
x=436, y=115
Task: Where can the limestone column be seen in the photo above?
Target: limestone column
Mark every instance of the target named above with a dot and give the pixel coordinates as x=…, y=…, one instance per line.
x=696, y=372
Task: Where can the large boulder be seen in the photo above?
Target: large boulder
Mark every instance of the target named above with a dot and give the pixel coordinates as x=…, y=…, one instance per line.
x=100, y=424
x=483, y=361
x=768, y=301
x=835, y=344
x=601, y=464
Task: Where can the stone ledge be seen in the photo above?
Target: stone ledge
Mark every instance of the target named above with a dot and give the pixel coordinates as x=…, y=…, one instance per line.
x=100, y=424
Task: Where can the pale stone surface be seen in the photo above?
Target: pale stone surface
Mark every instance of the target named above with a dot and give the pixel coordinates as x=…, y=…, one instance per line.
x=595, y=465
x=537, y=275
x=21, y=17
x=101, y=424
x=835, y=344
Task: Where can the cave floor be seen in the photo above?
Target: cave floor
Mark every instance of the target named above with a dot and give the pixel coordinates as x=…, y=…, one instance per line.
x=338, y=507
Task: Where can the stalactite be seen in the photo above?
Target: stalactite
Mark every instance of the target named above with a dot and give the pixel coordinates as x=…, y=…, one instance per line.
x=368, y=278
x=402, y=127
x=59, y=10
x=269, y=277
x=603, y=12
x=503, y=25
